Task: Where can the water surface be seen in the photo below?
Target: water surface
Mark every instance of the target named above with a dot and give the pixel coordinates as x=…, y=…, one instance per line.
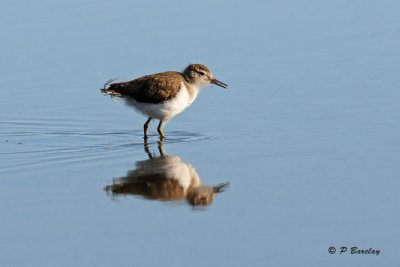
x=307, y=135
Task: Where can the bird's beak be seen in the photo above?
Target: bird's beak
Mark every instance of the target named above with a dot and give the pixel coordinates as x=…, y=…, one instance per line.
x=216, y=82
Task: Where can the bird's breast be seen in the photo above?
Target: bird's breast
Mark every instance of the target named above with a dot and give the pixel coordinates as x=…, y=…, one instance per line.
x=191, y=92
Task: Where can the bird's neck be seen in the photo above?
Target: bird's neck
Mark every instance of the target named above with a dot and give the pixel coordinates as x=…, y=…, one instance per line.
x=193, y=90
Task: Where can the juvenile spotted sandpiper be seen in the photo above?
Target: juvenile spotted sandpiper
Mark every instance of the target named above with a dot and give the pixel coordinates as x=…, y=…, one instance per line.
x=163, y=95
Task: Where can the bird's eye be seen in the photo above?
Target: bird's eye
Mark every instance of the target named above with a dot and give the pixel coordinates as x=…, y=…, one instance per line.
x=201, y=73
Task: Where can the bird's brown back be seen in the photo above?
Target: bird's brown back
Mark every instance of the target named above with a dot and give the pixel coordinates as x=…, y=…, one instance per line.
x=155, y=88
x=149, y=186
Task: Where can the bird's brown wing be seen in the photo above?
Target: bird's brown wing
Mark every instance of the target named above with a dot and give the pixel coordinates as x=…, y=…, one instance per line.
x=155, y=88
x=153, y=186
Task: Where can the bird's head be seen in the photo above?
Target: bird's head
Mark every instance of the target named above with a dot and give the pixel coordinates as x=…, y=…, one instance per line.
x=200, y=76
x=203, y=195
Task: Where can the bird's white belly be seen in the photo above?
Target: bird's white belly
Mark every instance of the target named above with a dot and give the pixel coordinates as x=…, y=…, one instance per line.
x=166, y=110
x=183, y=173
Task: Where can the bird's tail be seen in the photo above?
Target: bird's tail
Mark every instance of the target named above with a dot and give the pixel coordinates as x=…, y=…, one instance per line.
x=108, y=91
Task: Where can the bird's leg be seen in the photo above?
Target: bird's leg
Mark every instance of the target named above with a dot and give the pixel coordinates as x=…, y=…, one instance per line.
x=161, y=148
x=146, y=126
x=146, y=148
x=160, y=130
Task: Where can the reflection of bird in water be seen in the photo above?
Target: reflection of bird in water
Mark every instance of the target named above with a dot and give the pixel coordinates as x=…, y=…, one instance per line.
x=165, y=178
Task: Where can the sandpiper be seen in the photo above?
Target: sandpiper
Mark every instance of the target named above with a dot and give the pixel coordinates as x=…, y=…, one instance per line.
x=163, y=95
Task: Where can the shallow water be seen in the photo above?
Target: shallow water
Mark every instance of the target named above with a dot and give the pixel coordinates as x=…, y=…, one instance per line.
x=306, y=135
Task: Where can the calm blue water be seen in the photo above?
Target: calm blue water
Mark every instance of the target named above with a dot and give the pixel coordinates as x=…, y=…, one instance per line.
x=307, y=135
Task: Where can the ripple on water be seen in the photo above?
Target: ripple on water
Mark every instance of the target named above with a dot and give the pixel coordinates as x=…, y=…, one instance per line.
x=25, y=144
